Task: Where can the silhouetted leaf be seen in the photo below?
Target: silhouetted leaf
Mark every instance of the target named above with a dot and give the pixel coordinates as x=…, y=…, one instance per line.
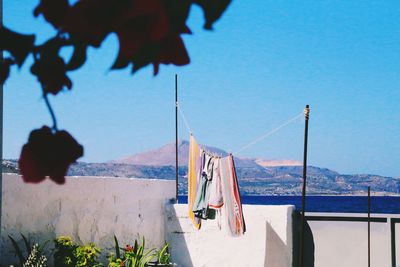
x=91, y=21
x=50, y=70
x=48, y=154
x=78, y=58
x=120, y=62
x=172, y=51
x=145, y=56
x=5, y=69
x=178, y=12
x=53, y=11
x=51, y=48
x=213, y=10
x=19, y=45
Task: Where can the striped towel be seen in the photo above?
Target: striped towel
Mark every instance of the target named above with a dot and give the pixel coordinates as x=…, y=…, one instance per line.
x=232, y=202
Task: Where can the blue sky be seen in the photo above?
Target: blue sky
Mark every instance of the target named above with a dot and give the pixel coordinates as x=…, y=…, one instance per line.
x=261, y=65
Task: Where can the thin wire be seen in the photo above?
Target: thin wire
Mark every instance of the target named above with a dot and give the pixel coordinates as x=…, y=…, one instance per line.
x=269, y=133
x=184, y=118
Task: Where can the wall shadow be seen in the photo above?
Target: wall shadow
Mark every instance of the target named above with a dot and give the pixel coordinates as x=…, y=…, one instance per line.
x=309, y=246
x=175, y=236
x=275, y=249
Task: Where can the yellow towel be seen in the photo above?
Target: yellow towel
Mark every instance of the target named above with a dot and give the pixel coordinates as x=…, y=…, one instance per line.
x=194, y=155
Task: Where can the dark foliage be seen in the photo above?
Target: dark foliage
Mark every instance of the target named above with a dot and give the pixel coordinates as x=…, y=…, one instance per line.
x=48, y=153
x=149, y=33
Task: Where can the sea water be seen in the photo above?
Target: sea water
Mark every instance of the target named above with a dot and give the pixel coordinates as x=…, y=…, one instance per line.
x=351, y=204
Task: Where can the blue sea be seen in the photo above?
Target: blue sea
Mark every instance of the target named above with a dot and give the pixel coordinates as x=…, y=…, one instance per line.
x=351, y=204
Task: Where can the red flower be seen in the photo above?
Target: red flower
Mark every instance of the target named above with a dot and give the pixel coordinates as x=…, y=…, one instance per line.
x=128, y=248
x=48, y=154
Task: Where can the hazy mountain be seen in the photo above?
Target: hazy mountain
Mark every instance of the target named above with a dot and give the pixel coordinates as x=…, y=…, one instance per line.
x=165, y=156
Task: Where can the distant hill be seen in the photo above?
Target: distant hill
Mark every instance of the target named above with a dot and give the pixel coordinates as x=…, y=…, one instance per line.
x=165, y=156
x=256, y=176
x=9, y=166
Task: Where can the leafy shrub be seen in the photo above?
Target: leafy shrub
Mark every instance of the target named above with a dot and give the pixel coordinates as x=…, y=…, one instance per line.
x=163, y=255
x=135, y=256
x=64, y=252
x=34, y=258
x=87, y=256
x=69, y=254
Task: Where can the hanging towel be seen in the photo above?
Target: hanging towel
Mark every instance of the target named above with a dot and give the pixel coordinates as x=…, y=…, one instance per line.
x=193, y=178
x=232, y=202
x=216, y=200
x=200, y=206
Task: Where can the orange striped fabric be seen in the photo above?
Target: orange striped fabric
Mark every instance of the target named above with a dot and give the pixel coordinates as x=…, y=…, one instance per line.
x=194, y=156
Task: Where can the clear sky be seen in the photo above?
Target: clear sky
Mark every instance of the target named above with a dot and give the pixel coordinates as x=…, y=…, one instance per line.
x=261, y=65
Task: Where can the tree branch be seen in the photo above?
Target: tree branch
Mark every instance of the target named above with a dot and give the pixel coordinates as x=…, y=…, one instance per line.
x=53, y=117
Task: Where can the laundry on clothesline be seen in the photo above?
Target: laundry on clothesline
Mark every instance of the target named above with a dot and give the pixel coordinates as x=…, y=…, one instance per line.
x=193, y=171
x=232, y=201
x=212, y=185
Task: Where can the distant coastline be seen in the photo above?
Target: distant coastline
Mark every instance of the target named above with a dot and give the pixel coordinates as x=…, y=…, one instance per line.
x=253, y=181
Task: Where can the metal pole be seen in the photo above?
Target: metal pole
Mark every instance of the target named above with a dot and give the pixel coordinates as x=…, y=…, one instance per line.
x=303, y=193
x=176, y=136
x=369, y=226
x=393, y=240
x=1, y=147
x=1, y=126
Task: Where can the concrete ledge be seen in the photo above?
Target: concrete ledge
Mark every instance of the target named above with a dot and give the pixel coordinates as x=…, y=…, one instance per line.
x=267, y=242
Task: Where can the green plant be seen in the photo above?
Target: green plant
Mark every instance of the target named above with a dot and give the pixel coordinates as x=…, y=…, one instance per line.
x=64, y=252
x=34, y=258
x=135, y=256
x=69, y=254
x=87, y=255
x=163, y=255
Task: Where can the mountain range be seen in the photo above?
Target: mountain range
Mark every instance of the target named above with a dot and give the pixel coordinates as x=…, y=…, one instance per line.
x=165, y=156
x=256, y=176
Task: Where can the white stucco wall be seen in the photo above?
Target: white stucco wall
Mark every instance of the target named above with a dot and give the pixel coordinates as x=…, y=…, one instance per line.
x=90, y=209
x=345, y=243
x=93, y=209
x=267, y=241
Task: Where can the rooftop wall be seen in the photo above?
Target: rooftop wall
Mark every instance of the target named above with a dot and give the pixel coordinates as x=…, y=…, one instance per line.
x=94, y=209
x=267, y=242
x=90, y=209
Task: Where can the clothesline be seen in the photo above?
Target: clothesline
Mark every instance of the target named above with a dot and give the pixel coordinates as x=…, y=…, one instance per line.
x=256, y=140
x=184, y=118
x=269, y=133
